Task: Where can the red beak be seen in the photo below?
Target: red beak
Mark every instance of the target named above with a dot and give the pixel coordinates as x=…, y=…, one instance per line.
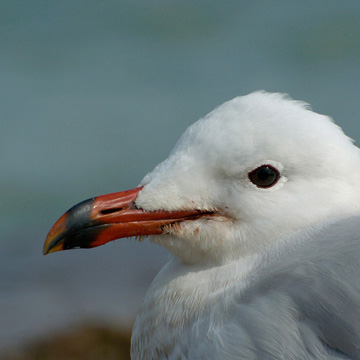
x=101, y=219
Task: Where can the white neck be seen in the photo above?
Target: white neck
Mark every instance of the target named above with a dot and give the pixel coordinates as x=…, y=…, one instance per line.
x=181, y=295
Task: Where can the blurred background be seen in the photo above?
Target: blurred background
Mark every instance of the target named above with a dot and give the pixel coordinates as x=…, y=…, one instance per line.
x=95, y=93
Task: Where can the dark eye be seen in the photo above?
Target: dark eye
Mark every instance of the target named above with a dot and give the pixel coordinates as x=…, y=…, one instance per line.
x=264, y=176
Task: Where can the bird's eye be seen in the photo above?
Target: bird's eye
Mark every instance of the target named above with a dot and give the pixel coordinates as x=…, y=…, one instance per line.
x=264, y=176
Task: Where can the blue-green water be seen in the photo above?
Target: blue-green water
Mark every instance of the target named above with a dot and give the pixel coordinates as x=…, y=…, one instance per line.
x=95, y=93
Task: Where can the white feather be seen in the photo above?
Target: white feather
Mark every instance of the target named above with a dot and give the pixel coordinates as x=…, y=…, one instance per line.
x=215, y=257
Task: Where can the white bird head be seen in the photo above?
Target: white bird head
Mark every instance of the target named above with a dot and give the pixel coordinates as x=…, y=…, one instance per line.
x=256, y=169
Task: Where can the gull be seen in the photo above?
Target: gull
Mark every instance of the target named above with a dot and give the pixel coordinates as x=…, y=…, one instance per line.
x=258, y=205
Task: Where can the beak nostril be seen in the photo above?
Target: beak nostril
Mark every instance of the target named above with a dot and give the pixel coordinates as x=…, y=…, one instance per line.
x=110, y=211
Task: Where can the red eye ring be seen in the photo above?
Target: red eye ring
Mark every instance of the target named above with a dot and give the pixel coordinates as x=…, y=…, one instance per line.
x=264, y=176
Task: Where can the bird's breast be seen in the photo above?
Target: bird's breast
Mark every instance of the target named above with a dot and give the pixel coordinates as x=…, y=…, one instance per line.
x=177, y=301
